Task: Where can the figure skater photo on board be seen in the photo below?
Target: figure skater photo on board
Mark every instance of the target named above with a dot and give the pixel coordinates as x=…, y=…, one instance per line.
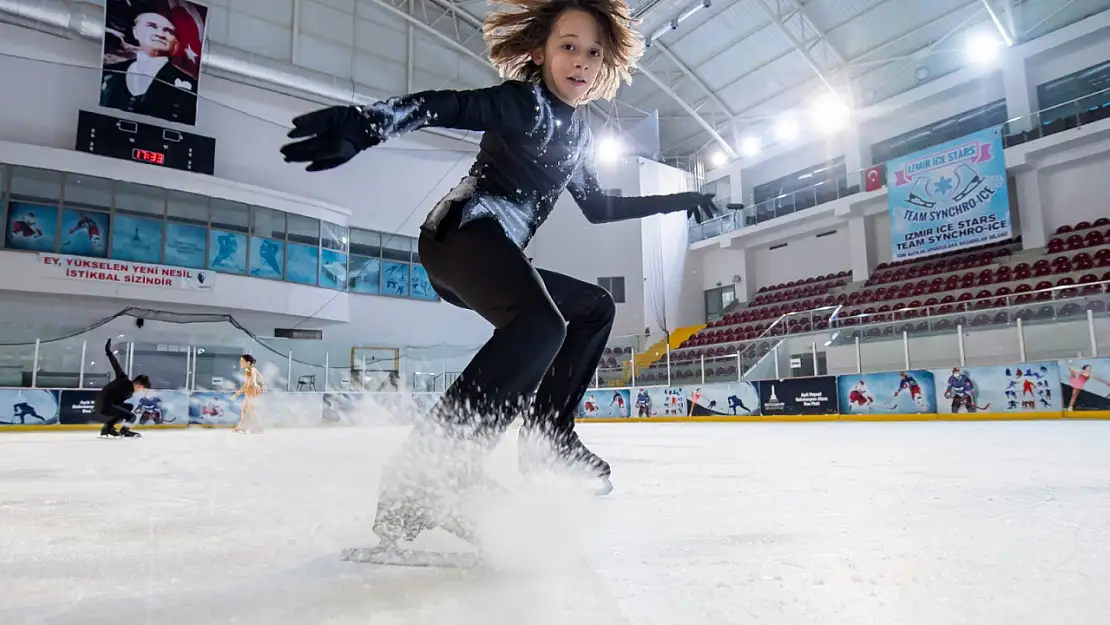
x=549, y=329
x=695, y=397
x=251, y=390
x=1078, y=379
x=111, y=402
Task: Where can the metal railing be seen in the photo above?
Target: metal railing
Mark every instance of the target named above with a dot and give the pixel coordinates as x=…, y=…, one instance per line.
x=1070, y=320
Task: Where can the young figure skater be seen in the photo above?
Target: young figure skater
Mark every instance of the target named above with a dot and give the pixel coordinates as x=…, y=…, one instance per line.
x=111, y=401
x=550, y=329
x=251, y=389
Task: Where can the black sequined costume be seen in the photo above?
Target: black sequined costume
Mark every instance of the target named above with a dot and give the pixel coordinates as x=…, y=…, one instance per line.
x=550, y=329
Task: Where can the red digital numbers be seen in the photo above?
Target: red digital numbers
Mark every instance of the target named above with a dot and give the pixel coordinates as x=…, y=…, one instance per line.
x=148, y=156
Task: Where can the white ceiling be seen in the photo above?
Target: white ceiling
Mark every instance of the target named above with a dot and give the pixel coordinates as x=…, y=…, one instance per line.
x=734, y=64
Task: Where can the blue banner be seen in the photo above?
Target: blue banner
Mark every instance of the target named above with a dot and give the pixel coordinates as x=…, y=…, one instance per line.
x=949, y=197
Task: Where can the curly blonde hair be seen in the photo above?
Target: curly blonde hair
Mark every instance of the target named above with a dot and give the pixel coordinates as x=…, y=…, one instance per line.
x=523, y=26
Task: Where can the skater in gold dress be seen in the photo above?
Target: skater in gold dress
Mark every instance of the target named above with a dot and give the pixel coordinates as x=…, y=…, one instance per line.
x=251, y=390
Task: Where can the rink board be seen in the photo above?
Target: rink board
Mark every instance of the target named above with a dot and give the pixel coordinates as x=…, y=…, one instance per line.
x=1076, y=389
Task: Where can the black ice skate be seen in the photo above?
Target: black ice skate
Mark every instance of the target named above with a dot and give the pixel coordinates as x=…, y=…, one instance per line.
x=109, y=432
x=128, y=433
x=569, y=451
x=426, y=484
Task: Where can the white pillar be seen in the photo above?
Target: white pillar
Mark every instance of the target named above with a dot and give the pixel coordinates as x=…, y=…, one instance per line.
x=1031, y=211
x=857, y=152
x=1021, y=96
x=859, y=247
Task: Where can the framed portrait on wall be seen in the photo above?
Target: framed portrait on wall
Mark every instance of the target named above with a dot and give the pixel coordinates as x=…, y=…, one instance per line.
x=151, y=58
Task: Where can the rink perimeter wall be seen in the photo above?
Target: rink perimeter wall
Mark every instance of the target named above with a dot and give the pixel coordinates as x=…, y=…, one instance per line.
x=1073, y=389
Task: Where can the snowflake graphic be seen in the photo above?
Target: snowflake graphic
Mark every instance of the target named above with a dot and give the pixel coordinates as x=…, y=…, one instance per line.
x=943, y=186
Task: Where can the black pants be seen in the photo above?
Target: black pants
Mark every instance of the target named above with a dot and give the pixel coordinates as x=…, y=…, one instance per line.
x=549, y=331
x=114, y=415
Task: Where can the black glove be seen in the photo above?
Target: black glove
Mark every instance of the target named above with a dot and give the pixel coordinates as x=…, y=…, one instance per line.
x=334, y=135
x=704, y=209
x=108, y=346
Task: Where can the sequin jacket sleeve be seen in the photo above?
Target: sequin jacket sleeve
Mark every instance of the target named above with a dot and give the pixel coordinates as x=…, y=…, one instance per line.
x=600, y=208
x=505, y=108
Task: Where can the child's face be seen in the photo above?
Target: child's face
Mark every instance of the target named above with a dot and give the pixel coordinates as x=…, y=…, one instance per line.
x=572, y=56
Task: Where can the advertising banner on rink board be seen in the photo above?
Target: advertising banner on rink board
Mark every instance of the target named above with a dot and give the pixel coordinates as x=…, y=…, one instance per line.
x=121, y=272
x=948, y=197
x=214, y=408
x=1022, y=387
x=798, y=396
x=604, y=403
x=896, y=392
x=1085, y=384
x=150, y=407
x=20, y=406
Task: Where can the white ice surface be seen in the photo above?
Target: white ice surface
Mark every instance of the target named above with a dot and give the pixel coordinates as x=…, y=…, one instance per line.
x=791, y=524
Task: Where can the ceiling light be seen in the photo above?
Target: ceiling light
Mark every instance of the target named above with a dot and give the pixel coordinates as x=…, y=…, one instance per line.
x=609, y=149
x=830, y=113
x=718, y=158
x=786, y=129
x=982, y=49
x=750, y=146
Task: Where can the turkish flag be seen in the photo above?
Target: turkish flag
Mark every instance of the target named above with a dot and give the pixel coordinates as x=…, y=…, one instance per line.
x=873, y=178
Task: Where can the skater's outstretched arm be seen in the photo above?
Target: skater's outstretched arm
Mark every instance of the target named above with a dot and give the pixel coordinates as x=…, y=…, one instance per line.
x=112, y=359
x=332, y=136
x=600, y=208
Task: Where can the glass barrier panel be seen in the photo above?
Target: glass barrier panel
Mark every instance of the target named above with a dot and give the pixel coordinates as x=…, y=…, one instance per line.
x=879, y=347
x=16, y=362
x=929, y=346
x=1058, y=329
x=1099, y=307
x=59, y=364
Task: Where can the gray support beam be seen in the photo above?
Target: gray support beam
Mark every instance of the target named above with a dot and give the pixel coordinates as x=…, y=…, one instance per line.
x=788, y=16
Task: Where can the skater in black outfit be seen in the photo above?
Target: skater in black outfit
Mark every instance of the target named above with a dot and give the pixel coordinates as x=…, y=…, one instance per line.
x=111, y=402
x=550, y=329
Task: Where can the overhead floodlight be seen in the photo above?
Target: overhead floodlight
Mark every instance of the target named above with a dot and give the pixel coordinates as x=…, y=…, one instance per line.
x=786, y=129
x=982, y=49
x=750, y=146
x=718, y=158
x=830, y=113
x=609, y=149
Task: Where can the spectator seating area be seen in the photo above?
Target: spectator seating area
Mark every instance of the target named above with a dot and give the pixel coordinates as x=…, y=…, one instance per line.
x=904, y=295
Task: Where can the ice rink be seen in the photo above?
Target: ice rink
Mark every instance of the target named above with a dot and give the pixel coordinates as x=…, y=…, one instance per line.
x=710, y=524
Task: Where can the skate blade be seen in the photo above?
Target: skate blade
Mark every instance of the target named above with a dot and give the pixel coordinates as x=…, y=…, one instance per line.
x=604, y=488
x=411, y=557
